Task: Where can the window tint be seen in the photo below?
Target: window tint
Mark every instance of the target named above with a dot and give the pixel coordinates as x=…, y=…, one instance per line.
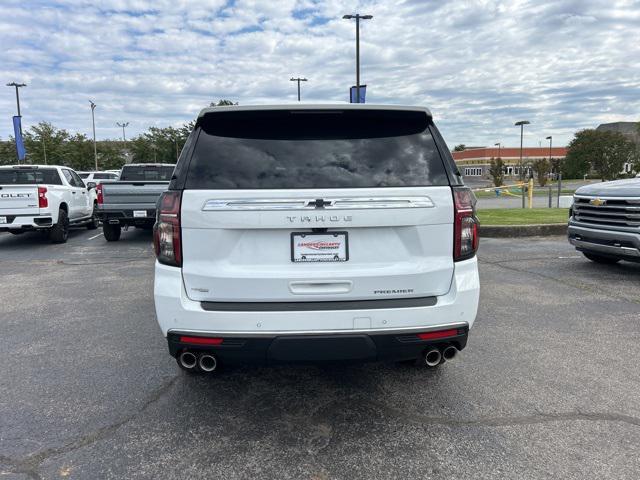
x=77, y=181
x=149, y=173
x=84, y=175
x=104, y=176
x=67, y=175
x=315, y=149
x=47, y=176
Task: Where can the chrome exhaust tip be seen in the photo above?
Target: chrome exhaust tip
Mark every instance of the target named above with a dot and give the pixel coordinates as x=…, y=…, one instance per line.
x=432, y=358
x=207, y=363
x=450, y=353
x=187, y=360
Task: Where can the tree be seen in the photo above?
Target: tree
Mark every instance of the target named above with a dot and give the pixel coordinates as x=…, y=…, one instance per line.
x=496, y=170
x=7, y=151
x=159, y=145
x=45, y=137
x=459, y=148
x=601, y=151
x=222, y=103
x=542, y=167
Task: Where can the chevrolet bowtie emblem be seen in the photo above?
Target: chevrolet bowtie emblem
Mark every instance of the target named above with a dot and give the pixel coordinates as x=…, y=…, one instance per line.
x=597, y=202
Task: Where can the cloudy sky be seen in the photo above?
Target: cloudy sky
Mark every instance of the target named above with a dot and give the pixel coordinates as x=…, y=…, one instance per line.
x=479, y=65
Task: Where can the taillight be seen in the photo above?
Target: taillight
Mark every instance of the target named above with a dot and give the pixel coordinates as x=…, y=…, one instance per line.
x=99, y=192
x=465, y=226
x=43, y=201
x=166, y=232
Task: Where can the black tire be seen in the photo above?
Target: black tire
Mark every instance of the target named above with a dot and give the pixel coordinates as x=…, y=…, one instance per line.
x=600, y=259
x=95, y=221
x=111, y=232
x=16, y=232
x=59, y=233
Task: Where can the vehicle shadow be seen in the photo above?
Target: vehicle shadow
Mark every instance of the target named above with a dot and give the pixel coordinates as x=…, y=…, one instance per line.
x=35, y=238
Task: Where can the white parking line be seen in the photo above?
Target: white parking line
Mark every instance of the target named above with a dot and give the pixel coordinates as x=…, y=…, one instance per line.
x=95, y=236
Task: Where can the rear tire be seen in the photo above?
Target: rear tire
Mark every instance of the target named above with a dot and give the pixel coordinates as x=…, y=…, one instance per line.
x=95, y=221
x=59, y=233
x=111, y=232
x=600, y=259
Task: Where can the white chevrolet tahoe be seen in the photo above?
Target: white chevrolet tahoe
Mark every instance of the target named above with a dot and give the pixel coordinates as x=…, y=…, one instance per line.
x=309, y=233
x=45, y=198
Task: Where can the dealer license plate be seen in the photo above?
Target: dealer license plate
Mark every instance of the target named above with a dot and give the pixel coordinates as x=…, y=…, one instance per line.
x=3, y=219
x=139, y=213
x=319, y=247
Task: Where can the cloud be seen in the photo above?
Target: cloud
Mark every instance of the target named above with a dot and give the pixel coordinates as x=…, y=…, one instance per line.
x=479, y=65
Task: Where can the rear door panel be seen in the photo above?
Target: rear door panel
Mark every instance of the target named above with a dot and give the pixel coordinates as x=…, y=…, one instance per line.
x=237, y=244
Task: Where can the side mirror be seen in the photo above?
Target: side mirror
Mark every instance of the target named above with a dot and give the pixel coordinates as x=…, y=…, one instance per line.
x=91, y=185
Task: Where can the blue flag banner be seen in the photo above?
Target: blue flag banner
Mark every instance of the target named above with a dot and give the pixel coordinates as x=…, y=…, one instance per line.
x=353, y=94
x=20, y=150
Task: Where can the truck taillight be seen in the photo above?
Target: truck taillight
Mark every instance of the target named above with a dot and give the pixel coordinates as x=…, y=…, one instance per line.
x=465, y=224
x=167, y=240
x=43, y=201
x=99, y=194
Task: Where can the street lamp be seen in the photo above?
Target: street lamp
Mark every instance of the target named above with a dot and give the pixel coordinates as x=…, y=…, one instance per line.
x=123, y=125
x=298, y=80
x=93, y=121
x=358, y=17
x=499, y=145
x=17, y=86
x=521, y=124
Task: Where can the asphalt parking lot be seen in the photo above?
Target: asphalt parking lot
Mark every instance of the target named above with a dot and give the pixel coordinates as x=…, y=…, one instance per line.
x=548, y=387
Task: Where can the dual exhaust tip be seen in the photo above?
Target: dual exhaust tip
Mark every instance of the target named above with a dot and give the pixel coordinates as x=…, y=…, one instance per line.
x=205, y=362
x=434, y=357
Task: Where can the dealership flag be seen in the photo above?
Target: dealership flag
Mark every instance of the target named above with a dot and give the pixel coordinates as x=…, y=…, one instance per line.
x=353, y=92
x=19, y=143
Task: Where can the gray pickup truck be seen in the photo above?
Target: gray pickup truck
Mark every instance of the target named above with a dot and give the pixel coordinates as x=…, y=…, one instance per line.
x=131, y=200
x=605, y=221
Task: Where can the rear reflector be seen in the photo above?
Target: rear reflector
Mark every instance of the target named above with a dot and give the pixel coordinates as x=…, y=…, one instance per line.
x=439, y=334
x=201, y=340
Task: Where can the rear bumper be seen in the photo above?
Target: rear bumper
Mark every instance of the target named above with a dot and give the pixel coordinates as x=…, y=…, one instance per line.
x=611, y=243
x=178, y=315
x=127, y=217
x=26, y=222
x=306, y=348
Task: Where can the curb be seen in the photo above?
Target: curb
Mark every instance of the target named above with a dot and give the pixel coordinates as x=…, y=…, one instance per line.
x=506, y=231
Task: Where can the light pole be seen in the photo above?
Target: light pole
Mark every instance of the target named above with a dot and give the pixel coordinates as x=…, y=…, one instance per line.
x=499, y=145
x=358, y=17
x=17, y=86
x=93, y=121
x=123, y=125
x=298, y=80
x=521, y=124
x=550, y=138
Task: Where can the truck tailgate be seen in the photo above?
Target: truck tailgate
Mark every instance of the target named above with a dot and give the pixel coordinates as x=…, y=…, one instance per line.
x=130, y=195
x=19, y=200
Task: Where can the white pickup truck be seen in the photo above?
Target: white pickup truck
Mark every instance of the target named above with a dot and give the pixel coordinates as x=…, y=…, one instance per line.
x=49, y=199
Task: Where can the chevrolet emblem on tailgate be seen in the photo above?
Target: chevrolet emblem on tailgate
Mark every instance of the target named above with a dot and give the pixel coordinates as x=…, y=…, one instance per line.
x=598, y=202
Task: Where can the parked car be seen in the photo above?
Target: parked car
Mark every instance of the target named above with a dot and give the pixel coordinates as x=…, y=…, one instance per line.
x=131, y=200
x=98, y=177
x=315, y=233
x=46, y=198
x=605, y=221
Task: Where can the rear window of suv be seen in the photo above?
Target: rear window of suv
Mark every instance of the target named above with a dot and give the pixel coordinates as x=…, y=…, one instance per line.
x=19, y=176
x=287, y=149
